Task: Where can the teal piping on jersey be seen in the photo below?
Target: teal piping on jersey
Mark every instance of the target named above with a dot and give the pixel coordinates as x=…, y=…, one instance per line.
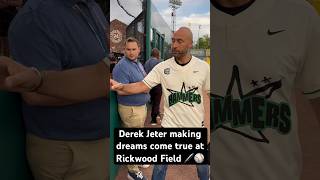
x=312, y=92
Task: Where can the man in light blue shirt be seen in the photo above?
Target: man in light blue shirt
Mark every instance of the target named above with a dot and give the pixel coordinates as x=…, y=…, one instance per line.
x=132, y=109
x=66, y=139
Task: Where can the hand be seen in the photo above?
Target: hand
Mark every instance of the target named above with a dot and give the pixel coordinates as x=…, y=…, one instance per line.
x=115, y=86
x=16, y=77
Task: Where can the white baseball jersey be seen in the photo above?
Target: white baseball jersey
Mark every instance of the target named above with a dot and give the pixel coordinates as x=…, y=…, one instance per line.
x=259, y=56
x=183, y=88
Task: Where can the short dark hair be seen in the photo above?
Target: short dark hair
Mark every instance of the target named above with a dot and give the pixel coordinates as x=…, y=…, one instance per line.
x=132, y=39
x=155, y=52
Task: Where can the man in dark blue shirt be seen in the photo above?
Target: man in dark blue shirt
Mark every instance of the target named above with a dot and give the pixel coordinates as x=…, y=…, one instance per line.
x=67, y=139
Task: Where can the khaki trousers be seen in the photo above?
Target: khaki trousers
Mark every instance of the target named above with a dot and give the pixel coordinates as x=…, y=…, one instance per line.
x=132, y=117
x=68, y=160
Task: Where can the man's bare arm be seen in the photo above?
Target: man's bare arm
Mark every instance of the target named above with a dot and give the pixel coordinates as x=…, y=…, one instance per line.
x=79, y=84
x=129, y=89
x=36, y=99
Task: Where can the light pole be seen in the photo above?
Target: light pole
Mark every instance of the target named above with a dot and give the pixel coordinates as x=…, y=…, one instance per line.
x=174, y=4
x=199, y=36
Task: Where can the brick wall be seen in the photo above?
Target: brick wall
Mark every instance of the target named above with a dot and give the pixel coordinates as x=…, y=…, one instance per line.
x=117, y=35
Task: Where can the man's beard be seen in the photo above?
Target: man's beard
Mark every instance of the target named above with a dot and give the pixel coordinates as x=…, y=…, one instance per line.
x=179, y=54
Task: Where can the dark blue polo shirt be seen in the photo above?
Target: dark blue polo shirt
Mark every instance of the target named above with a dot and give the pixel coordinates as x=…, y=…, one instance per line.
x=56, y=35
x=150, y=64
x=127, y=71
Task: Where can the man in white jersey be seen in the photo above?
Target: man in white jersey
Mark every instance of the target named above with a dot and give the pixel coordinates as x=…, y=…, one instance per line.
x=263, y=50
x=180, y=76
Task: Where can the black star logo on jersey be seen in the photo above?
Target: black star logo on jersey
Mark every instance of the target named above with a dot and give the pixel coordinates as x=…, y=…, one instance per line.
x=266, y=80
x=254, y=83
x=184, y=96
x=251, y=109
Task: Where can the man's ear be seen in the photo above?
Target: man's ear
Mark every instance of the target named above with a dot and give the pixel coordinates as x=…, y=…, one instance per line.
x=191, y=43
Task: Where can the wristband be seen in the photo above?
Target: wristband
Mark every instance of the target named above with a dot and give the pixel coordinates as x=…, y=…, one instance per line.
x=40, y=75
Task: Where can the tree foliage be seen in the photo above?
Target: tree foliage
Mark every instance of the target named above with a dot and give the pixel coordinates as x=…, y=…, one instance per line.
x=203, y=42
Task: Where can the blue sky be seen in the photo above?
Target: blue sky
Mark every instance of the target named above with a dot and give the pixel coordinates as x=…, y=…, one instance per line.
x=192, y=13
x=194, y=6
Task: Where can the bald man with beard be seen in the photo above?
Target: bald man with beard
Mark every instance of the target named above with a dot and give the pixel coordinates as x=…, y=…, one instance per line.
x=182, y=71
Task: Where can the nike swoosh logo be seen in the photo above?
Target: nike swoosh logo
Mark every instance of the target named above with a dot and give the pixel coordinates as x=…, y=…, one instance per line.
x=270, y=33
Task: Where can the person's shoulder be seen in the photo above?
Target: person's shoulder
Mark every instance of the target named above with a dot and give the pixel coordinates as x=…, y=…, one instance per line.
x=42, y=7
x=301, y=14
x=123, y=63
x=297, y=7
x=154, y=59
x=150, y=60
x=199, y=61
x=25, y=15
x=147, y=62
x=163, y=64
x=120, y=62
x=118, y=67
x=36, y=13
x=201, y=64
x=294, y=4
x=166, y=62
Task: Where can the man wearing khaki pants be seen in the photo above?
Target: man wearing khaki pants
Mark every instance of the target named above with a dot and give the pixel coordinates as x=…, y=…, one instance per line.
x=66, y=139
x=132, y=109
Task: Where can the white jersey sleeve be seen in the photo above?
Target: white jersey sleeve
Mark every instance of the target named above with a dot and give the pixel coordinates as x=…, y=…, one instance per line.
x=309, y=78
x=153, y=78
